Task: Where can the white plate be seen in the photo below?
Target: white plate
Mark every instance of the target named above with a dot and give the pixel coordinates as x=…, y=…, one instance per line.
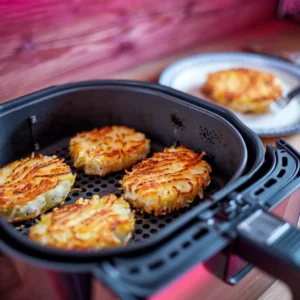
x=189, y=74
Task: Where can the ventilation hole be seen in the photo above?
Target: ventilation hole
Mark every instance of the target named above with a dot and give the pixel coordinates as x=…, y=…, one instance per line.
x=96, y=190
x=156, y=265
x=117, y=185
x=111, y=181
x=97, y=181
x=186, y=245
x=284, y=161
x=118, y=194
x=153, y=230
x=139, y=221
x=146, y=217
x=173, y=254
x=83, y=190
x=75, y=194
x=90, y=186
x=134, y=270
x=139, y=231
x=89, y=194
x=281, y=173
x=104, y=186
x=77, y=186
x=200, y=233
x=119, y=177
x=153, y=221
x=146, y=236
x=68, y=199
x=161, y=225
x=270, y=183
x=168, y=220
x=27, y=225
x=146, y=226
x=258, y=192
x=84, y=182
x=92, y=178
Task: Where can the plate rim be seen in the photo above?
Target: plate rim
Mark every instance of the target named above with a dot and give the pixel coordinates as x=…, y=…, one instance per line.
x=171, y=71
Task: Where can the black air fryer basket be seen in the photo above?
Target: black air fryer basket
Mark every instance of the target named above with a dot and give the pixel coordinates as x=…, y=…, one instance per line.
x=237, y=217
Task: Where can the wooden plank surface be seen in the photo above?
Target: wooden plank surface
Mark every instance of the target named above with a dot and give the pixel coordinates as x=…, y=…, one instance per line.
x=277, y=291
x=50, y=42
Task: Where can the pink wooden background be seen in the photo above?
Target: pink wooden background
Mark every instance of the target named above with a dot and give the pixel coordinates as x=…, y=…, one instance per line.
x=49, y=42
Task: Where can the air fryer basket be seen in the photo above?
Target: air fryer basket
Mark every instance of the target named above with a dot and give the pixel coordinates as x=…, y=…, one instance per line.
x=44, y=122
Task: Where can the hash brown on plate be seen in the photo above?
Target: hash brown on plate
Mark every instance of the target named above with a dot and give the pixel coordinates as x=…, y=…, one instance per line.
x=88, y=224
x=167, y=181
x=109, y=149
x=243, y=90
x=31, y=186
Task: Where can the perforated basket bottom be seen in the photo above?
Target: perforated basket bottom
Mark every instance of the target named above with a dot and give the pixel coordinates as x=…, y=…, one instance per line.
x=146, y=225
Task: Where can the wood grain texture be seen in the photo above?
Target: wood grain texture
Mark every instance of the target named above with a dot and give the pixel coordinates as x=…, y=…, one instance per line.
x=277, y=291
x=45, y=43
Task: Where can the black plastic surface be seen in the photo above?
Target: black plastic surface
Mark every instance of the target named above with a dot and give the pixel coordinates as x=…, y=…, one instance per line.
x=164, y=119
x=146, y=225
x=47, y=119
x=273, y=246
x=159, y=265
x=167, y=117
x=253, y=143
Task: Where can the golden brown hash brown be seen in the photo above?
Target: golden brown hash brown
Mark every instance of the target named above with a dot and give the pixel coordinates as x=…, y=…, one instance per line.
x=109, y=149
x=88, y=224
x=31, y=186
x=243, y=90
x=167, y=181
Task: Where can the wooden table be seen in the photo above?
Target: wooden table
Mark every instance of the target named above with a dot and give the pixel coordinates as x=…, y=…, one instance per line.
x=276, y=35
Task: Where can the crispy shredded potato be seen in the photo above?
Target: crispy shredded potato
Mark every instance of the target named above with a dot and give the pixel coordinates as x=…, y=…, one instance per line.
x=31, y=186
x=109, y=149
x=243, y=90
x=88, y=224
x=167, y=181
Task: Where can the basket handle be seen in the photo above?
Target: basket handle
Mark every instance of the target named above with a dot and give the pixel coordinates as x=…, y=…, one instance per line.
x=152, y=277
x=272, y=245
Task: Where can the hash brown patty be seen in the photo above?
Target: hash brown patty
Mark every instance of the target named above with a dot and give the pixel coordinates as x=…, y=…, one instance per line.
x=88, y=224
x=167, y=181
x=109, y=149
x=243, y=90
x=31, y=186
